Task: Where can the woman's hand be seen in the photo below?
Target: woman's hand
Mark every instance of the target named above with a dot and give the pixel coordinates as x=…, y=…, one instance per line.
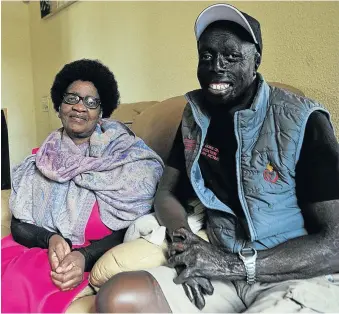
x=58, y=248
x=70, y=272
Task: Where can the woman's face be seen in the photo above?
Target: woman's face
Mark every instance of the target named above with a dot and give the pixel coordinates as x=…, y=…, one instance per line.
x=79, y=121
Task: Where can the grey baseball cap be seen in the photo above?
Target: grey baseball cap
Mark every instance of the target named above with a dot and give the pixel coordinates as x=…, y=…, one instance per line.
x=227, y=12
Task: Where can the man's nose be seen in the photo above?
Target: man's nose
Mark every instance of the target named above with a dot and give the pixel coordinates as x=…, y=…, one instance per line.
x=219, y=64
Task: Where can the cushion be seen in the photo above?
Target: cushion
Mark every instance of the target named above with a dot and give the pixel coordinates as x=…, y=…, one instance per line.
x=135, y=255
x=131, y=256
x=158, y=125
x=5, y=213
x=287, y=87
x=127, y=113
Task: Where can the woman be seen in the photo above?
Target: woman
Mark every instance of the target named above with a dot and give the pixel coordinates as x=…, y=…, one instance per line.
x=74, y=199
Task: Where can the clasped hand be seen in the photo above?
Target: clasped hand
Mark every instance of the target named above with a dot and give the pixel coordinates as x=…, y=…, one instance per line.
x=67, y=268
x=198, y=257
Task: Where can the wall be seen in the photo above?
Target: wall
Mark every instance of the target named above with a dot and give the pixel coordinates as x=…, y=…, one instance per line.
x=150, y=46
x=16, y=80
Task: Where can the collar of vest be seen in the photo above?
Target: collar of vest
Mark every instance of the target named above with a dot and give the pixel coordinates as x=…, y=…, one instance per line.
x=260, y=101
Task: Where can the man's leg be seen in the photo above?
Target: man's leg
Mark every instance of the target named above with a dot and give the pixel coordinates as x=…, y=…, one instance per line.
x=155, y=291
x=309, y=295
x=131, y=292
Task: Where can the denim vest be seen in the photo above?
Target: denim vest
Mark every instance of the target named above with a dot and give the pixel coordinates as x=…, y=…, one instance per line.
x=269, y=135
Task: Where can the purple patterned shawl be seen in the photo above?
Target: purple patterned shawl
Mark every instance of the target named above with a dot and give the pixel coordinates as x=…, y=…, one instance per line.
x=57, y=187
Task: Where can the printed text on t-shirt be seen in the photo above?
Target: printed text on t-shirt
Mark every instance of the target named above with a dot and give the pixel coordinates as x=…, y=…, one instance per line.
x=210, y=152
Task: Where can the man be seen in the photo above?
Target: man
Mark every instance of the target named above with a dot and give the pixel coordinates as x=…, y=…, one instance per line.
x=265, y=164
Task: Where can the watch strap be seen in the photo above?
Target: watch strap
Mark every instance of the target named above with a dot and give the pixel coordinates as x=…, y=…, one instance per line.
x=249, y=256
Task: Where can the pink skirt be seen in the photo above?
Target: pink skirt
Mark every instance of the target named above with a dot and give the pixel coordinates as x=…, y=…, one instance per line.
x=25, y=275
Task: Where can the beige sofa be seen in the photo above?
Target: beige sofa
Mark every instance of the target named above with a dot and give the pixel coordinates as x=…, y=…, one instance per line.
x=156, y=123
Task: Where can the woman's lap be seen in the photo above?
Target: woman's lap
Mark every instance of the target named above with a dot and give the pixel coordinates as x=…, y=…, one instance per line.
x=26, y=281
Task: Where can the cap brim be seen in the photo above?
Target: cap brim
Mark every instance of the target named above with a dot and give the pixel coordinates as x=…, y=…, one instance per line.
x=221, y=12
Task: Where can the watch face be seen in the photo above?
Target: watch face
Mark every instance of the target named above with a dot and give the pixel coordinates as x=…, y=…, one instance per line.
x=248, y=252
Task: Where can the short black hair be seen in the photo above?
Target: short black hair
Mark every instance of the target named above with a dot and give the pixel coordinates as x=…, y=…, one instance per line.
x=92, y=71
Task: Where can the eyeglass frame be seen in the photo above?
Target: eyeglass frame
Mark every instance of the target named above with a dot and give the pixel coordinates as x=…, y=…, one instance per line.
x=83, y=99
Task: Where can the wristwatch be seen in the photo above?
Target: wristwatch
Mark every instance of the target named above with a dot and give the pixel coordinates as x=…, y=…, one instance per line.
x=249, y=256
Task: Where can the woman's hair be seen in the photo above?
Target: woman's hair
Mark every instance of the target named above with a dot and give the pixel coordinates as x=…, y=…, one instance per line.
x=92, y=71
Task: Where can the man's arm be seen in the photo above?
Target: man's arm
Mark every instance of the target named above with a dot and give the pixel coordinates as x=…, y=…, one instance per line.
x=169, y=211
x=304, y=257
x=174, y=188
x=168, y=207
x=171, y=214
x=307, y=256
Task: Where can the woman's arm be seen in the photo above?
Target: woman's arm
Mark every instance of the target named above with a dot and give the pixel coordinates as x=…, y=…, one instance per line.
x=97, y=248
x=31, y=235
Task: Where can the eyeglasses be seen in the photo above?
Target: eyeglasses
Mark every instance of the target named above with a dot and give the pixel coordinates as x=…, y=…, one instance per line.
x=89, y=101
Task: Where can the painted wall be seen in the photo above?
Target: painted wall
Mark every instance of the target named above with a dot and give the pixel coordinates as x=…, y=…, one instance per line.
x=150, y=46
x=17, y=80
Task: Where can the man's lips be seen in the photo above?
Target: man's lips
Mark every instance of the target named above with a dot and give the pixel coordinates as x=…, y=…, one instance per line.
x=219, y=88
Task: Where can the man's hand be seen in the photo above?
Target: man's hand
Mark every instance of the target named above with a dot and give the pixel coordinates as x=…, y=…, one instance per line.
x=70, y=272
x=195, y=288
x=58, y=248
x=202, y=259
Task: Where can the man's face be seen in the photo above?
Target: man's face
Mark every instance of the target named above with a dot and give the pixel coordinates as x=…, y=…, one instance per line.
x=227, y=65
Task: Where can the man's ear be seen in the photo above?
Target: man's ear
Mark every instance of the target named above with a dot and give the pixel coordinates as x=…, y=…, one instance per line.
x=257, y=60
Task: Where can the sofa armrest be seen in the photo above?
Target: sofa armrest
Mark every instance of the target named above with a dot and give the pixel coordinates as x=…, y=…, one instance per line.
x=135, y=255
x=5, y=213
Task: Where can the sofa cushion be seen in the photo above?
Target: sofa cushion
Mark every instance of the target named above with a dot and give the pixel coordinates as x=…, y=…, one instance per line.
x=127, y=113
x=130, y=256
x=158, y=124
x=5, y=213
x=287, y=87
x=135, y=255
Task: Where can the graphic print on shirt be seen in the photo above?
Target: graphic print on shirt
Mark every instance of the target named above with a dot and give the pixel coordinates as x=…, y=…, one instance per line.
x=190, y=144
x=210, y=152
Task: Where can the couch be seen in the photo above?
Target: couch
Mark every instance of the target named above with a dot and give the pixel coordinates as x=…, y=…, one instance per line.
x=156, y=123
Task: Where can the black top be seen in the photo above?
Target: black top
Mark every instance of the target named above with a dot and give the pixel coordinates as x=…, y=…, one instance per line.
x=317, y=171
x=33, y=236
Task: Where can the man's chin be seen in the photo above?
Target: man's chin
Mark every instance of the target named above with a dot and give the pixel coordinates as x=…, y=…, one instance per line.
x=217, y=98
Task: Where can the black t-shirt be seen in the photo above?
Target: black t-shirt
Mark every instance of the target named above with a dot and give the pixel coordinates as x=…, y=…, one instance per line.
x=317, y=171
